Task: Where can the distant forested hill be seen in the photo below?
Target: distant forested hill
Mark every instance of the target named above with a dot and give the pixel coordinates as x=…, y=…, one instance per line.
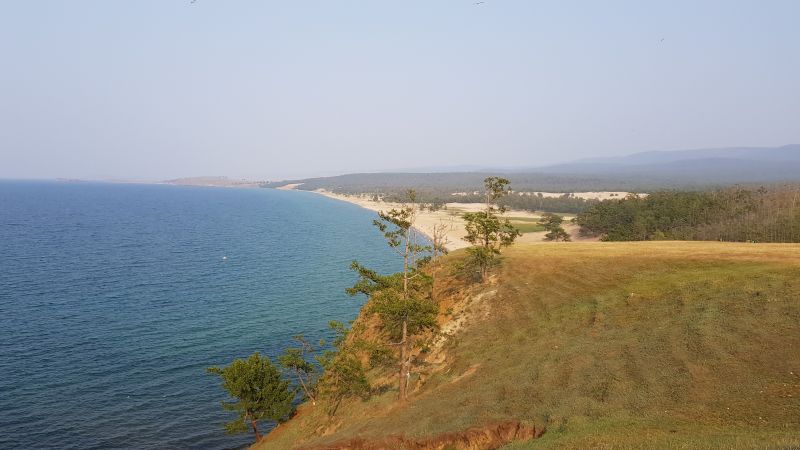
x=640, y=172
x=447, y=183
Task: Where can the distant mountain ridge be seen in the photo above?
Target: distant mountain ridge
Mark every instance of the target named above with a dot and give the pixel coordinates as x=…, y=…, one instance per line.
x=638, y=172
x=786, y=153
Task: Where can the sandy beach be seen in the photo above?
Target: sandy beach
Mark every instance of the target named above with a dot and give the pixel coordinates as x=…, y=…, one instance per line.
x=451, y=216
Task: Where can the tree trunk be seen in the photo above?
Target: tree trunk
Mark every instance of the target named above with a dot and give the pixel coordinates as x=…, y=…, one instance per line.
x=305, y=388
x=404, y=342
x=255, y=429
x=405, y=264
x=336, y=406
x=402, y=375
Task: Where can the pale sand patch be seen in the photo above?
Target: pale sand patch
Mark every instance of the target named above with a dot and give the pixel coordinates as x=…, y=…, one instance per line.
x=451, y=216
x=425, y=222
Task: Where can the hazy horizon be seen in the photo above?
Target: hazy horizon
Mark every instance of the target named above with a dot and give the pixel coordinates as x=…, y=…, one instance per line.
x=155, y=90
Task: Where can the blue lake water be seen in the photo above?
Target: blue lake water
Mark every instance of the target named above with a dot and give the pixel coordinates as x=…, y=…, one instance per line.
x=115, y=298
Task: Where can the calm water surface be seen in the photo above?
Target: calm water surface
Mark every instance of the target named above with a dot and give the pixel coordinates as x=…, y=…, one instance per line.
x=115, y=298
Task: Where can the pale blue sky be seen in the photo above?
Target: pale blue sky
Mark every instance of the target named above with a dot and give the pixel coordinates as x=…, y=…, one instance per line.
x=161, y=88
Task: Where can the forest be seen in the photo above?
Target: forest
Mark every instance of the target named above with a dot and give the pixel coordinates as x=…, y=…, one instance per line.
x=444, y=184
x=564, y=203
x=737, y=214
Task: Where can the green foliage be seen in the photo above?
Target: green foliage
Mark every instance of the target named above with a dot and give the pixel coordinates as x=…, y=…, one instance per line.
x=370, y=281
x=495, y=187
x=479, y=261
x=260, y=392
x=388, y=301
x=392, y=305
x=294, y=359
x=341, y=332
x=524, y=201
x=552, y=223
x=736, y=214
x=402, y=300
x=558, y=234
x=565, y=203
x=400, y=218
x=419, y=313
x=396, y=225
x=344, y=375
x=487, y=231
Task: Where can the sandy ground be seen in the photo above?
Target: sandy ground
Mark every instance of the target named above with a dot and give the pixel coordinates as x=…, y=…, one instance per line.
x=425, y=222
x=451, y=216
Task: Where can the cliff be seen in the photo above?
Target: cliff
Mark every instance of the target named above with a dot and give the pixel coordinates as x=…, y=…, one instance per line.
x=614, y=345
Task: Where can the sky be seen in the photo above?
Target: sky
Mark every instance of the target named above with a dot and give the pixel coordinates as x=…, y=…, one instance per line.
x=158, y=89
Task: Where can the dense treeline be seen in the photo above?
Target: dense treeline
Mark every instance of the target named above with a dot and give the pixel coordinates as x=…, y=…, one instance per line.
x=733, y=214
x=565, y=203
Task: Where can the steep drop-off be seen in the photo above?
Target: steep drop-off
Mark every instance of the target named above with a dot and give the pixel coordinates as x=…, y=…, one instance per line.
x=614, y=345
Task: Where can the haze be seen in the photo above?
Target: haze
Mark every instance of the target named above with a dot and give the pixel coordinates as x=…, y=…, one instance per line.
x=160, y=89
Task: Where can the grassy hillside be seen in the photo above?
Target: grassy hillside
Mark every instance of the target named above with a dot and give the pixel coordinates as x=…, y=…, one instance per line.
x=608, y=345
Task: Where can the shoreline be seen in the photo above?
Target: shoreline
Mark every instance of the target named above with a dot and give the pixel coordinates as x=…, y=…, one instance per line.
x=431, y=218
x=451, y=216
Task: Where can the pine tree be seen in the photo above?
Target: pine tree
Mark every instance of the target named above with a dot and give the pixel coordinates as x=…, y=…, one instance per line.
x=486, y=231
x=260, y=392
x=294, y=360
x=552, y=223
x=401, y=300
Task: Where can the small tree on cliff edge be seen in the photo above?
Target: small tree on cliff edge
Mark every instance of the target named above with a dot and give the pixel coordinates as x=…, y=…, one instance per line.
x=400, y=300
x=402, y=317
x=486, y=231
x=260, y=391
x=294, y=360
x=344, y=375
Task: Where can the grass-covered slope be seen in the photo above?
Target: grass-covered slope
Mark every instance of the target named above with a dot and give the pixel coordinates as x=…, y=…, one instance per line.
x=608, y=345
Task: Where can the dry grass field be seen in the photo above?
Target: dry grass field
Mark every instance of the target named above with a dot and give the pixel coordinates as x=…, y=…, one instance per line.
x=608, y=345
